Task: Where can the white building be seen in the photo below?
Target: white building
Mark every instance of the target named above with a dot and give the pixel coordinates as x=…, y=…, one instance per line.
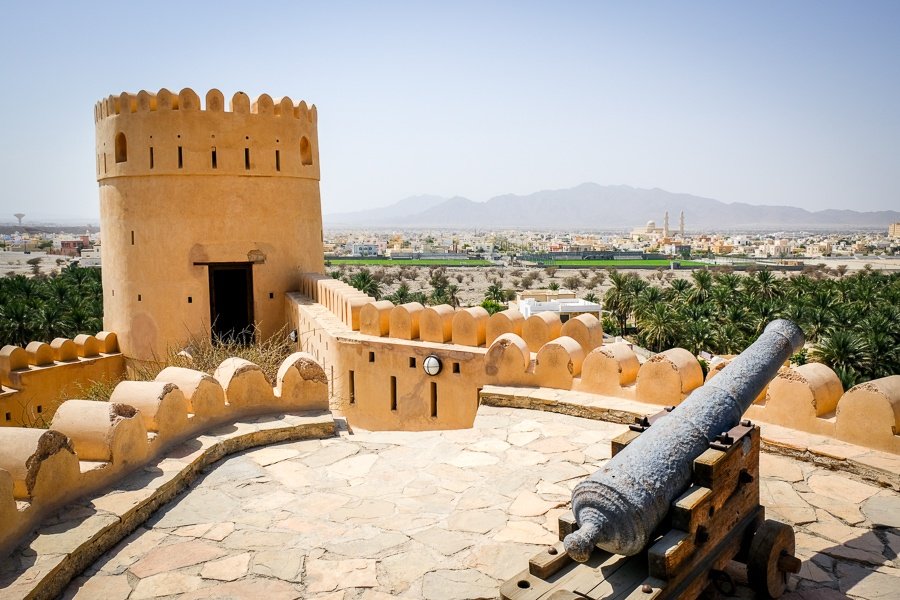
x=562, y=302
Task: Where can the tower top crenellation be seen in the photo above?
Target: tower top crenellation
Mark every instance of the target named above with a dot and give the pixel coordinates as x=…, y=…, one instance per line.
x=188, y=100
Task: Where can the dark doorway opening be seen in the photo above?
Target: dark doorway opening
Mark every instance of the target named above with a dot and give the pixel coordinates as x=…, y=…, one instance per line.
x=231, y=302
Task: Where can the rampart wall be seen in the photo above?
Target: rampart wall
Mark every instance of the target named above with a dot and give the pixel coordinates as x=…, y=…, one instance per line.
x=375, y=349
x=91, y=444
x=37, y=378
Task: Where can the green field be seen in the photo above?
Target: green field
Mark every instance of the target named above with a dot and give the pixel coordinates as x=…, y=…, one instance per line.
x=650, y=262
x=387, y=262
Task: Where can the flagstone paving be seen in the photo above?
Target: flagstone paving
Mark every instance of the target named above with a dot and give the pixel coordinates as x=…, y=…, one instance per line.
x=446, y=515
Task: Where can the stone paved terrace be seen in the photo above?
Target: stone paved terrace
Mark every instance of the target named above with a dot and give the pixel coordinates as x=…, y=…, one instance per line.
x=447, y=514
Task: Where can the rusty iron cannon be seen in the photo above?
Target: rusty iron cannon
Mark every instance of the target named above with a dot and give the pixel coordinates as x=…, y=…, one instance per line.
x=678, y=501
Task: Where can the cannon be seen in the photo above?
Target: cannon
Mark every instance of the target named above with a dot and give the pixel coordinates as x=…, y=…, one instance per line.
x=678, y=500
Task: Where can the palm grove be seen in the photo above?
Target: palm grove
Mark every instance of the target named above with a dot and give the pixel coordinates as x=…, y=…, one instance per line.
x=852, y=322
x=46, y=307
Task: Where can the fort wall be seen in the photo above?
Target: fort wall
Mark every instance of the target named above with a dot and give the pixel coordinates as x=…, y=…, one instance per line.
x=373, y=352
x=36, y=379
x=91, y=444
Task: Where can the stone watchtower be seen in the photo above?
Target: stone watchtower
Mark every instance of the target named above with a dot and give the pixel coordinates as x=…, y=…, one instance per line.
x=208, y=214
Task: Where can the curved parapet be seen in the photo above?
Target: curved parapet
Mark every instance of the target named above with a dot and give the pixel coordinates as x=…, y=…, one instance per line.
x=240, y=103
x=39, y=354
x=608, y=369
x=558, y=362
x=353, y=307
x=64, y=350
x=109, y=342
x=506, y=321
x=375, y=318
x=508, y=361
x=405, y=321
x=101, y=431
x=540, y=328
x=41, y=463
x=668, y=377
x=586, y=329
x=161, y=406
x=12, y=358
x=302, y=384
x=87, y=346
x=204, y=396
x=436, y=324
x=469, y=326
x=869, y=415
x=799, y=397
x=245, y=385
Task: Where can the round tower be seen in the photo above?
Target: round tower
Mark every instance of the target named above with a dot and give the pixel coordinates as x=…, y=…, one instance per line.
x=208, y=214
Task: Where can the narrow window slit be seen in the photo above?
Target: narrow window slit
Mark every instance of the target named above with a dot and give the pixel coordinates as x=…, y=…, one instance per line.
x=180, y=158
x=393, y=393
x=247, y=159
x=215, y=159
x=434, y=399
x=352, y=388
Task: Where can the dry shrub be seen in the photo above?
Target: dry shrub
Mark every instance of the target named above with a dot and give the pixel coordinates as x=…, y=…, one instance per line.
x=201, y=353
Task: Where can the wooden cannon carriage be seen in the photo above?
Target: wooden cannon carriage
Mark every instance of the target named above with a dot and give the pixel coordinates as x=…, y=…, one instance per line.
x=716, y=520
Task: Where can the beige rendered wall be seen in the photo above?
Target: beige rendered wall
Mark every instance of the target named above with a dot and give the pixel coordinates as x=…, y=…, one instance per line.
x=36, y=379
x=374, y=360
x=162, y=225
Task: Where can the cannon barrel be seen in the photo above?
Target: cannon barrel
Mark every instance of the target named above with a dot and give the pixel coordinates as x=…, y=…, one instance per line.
x=618, y=507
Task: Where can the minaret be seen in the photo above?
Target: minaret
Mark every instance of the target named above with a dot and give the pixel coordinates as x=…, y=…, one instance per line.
x=681, y=225
x=666, y=225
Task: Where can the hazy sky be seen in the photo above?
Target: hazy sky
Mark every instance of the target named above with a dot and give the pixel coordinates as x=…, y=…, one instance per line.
x=760, y=102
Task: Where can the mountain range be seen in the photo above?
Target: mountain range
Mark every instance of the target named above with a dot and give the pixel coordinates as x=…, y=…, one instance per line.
x=591, y=206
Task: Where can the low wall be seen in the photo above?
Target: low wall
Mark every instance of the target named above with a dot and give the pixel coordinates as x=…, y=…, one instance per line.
x=37, y=378
x=91, y=444
x=374, y=361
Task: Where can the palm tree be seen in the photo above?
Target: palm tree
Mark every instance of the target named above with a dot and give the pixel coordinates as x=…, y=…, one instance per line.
x=846, y=352
x=681, y=287
x=617, y=300
x=495, y=292
x=400, y=296
x=648, y=298
x=364, y=282
x=453, y=295
x=51, y=320
x=15, y=322
x=702, y=286
x=767, y=284
x=659, y=326
x=591, y=297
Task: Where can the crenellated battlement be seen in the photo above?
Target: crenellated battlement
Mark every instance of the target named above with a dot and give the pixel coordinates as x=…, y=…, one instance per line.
x=188, y=100
x=165, y=133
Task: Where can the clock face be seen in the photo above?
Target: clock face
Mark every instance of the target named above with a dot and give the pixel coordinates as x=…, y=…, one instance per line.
x=432, y=365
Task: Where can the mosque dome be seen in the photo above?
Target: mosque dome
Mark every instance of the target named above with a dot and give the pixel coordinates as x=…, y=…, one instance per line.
x=651, y=225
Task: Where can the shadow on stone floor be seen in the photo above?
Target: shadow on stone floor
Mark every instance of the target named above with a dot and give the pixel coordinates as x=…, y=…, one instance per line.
x=851, y=568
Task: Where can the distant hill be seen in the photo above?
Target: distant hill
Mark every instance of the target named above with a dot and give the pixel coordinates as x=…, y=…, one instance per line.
x=604, y=207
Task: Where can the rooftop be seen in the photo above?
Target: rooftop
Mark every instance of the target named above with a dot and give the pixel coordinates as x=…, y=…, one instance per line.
x=446, y=514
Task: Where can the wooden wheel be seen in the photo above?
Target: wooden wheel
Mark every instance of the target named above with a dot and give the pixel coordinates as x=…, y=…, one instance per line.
x=771, y=559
